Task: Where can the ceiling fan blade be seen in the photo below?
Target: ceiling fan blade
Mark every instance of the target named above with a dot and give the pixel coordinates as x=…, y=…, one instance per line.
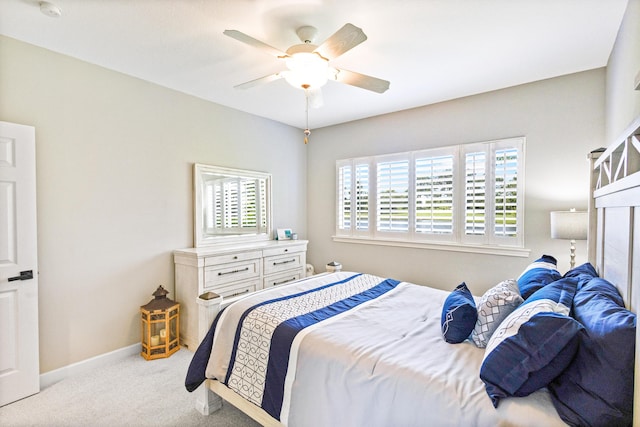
x=315, y=97
x=266, y=79
x=344, y=39
x=362, y=81
x=240, y=36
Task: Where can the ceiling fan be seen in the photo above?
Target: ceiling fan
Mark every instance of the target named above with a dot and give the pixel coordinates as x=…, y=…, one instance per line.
x=308, y=65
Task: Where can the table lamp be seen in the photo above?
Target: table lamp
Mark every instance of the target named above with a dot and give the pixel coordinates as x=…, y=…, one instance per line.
x=569, y=225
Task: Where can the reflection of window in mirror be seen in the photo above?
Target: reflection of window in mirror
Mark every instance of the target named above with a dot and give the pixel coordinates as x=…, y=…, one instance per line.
x=231, y=205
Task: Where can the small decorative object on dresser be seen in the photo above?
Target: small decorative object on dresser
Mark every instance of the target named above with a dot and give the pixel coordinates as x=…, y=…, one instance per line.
x=284, y=233
x=160, y=326
x=333, y=267
x=232, y=271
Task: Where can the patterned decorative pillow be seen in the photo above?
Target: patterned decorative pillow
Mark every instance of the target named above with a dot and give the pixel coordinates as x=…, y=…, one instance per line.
x=533, y=345
x=496, y=304
x=539, y=273
x=458, y=315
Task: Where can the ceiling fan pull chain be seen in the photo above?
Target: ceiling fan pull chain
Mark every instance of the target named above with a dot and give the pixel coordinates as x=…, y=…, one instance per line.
x=307, y=132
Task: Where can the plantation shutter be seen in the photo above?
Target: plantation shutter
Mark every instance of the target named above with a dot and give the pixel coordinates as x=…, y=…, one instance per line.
x=469, y=194
x=232, y=205
x=248, y=204
x=475, y=193
x=507, y=188
x=262, y=196
x=434, y=195
x=344, y=172
x=362, y=196
x=393, y=196
x=211, y=216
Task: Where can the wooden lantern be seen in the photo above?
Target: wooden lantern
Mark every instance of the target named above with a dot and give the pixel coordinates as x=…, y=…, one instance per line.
x=160, y=326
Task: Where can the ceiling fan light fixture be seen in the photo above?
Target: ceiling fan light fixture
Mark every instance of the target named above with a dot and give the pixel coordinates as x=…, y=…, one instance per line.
x=307, y=70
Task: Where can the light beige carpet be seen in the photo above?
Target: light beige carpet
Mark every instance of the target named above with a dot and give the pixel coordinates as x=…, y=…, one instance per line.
x=132, y=392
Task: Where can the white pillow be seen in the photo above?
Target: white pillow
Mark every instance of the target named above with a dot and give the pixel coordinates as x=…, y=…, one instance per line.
x=495, y=305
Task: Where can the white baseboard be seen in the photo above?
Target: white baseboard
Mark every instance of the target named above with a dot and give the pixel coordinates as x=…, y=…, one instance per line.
x=49, y=378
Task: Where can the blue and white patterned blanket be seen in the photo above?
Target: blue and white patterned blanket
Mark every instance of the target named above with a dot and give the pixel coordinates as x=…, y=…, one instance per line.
x=265, y=332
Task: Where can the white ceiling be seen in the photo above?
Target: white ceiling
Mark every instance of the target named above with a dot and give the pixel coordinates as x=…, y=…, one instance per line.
x=430, y=50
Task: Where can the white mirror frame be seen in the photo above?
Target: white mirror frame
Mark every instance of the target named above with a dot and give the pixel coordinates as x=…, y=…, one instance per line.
x=201, y=238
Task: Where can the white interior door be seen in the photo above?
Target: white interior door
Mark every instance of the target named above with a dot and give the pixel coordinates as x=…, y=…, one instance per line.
x=19, y=355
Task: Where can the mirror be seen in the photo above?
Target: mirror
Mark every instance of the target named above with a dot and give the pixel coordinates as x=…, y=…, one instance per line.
x=230, y=205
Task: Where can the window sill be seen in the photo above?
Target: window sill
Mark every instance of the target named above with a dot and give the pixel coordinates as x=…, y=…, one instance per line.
x=441, y=246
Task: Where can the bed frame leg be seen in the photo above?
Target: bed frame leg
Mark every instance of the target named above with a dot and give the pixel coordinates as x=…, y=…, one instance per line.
x=207, y=402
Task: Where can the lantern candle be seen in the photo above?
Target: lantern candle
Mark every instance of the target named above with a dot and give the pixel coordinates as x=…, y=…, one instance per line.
x=163, y=335
x=155, y=340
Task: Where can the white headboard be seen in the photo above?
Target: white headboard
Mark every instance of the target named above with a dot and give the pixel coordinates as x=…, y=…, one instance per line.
x=614, y=224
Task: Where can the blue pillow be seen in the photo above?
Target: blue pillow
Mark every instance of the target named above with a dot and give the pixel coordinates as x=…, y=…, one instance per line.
x=539, y=273
x=533, y=345
x=596, y=389
x=459, y=315
x=599, y=288
x=584, y=273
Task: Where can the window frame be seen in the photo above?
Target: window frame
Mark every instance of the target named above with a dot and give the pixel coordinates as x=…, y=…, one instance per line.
x=489, y=242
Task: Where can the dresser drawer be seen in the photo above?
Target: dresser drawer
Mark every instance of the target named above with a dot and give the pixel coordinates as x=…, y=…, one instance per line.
x=232, y=272
x=275, y=264
x=236, y=289
x=236, y=257
x=283, y=250
x=282, y=278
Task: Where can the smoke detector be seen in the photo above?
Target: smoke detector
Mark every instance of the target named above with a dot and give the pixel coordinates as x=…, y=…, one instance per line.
x=50, y=9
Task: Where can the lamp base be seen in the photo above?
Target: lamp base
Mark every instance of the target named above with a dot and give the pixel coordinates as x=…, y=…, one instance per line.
x=572, y=263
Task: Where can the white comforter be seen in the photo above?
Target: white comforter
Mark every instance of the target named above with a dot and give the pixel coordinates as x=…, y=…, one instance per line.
x=383, y=363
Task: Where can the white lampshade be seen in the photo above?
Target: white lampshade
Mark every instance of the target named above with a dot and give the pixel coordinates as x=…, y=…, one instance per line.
x=569, y=225
x=306, y=70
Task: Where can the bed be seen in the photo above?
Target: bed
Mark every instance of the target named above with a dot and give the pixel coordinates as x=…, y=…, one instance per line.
x=354, y=349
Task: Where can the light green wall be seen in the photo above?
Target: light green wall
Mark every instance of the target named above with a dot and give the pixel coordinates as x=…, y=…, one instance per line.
x=114, y=156
x=562, y=120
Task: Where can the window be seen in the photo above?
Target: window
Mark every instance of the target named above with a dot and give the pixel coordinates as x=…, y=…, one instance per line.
x=469, y=194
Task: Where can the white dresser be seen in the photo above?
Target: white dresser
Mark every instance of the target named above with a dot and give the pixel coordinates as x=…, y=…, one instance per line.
x=232, y=271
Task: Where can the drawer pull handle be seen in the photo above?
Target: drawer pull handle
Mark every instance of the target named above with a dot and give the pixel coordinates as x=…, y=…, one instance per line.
x=239, y=293
x=283, y=281
x=233, y=271
x=284, y=262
